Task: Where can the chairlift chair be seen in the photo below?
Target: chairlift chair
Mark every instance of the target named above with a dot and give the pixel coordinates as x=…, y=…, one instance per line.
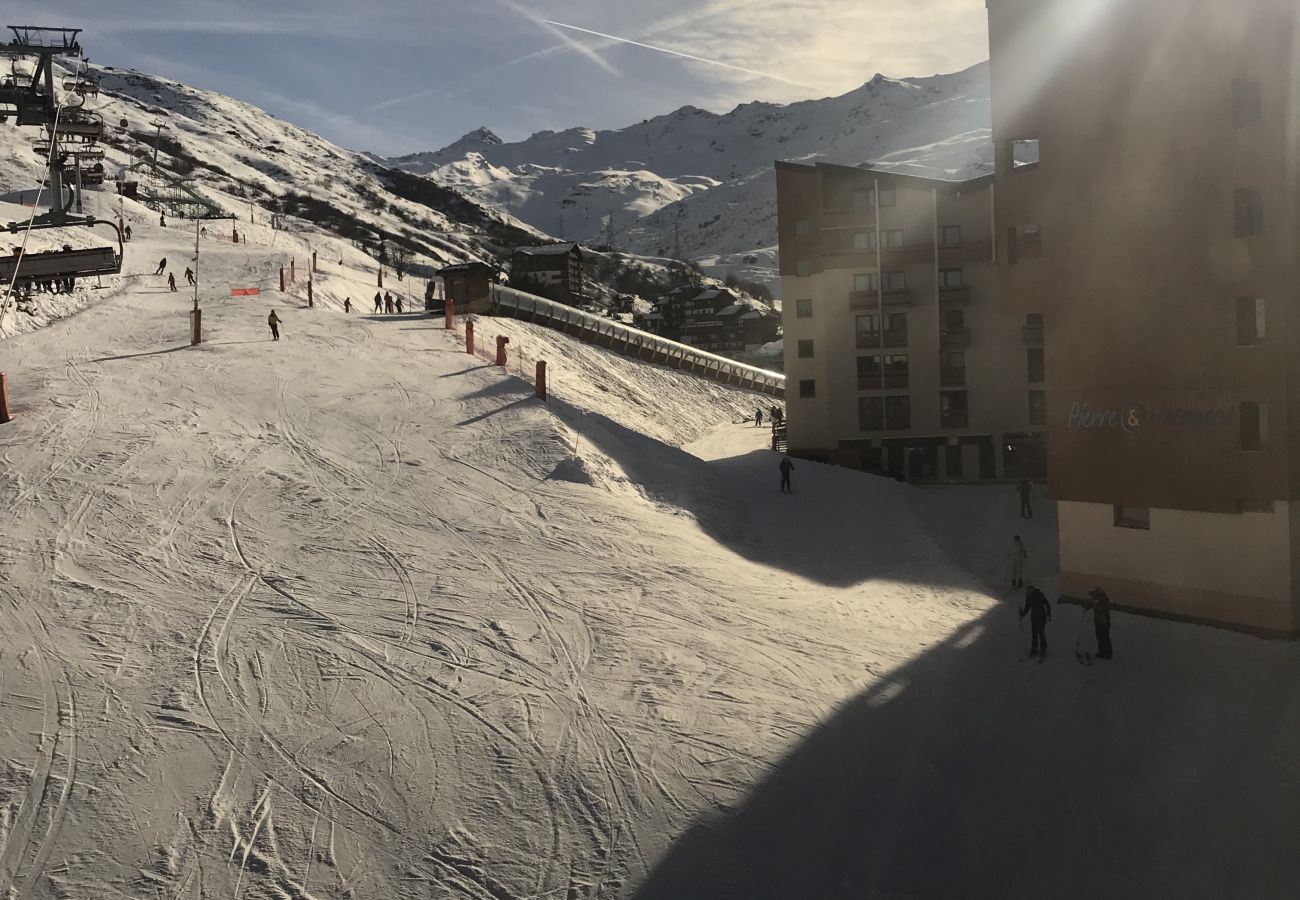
x=82, y=87
x=56, y=265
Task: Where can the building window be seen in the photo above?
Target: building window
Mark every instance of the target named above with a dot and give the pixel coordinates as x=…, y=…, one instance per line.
x=802, y=228
x=864, y=283
x=1037, y=408
x=803, y=268
x=803, y=309
x=952, y=321
x=950, y=235
x=893, y=238
x=898, y=413
x=952, y=369
x=887, y=197
x=870, y=376
x=864, y=240
x=950, y=278
x=805, y=349
x=1031, y=236
x=896, y=371
x=1247, y=102
x=1250, y=321
x=1133, y=517
x=895, y=281
x=860, y=199
x=952, y=409
x=871, y=414
x=868, y=331
x=1254, y=425
x=1037, y=365
x=807, y=389
x=1023, y=153
x=1248, y=212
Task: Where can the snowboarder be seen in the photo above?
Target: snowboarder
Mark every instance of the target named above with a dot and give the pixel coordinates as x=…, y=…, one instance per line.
x=274, y=321
x=398, y=303
x=379, y=302
x=758, y=418
x=1101, y=621
x=189, y=275
x=1018, y=557
x=1026, y=490
x=127, y=231
x=1040, y=613
x=786, y=468
x=347, y=304
x=162, y=266
x=171, y=281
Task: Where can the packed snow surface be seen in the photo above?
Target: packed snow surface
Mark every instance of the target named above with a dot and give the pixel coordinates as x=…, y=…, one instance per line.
x=355, y=615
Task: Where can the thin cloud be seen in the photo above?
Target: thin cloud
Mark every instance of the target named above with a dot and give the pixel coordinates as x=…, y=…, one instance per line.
x=693, y=58
x=575, y=45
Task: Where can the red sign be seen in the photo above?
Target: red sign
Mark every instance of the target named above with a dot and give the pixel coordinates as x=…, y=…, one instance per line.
x=245, y=292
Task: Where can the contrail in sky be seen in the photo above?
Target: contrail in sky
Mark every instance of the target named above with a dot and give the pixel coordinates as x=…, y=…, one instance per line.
x=711, y=62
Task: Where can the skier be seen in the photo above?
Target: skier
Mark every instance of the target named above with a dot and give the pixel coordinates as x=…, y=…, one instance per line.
x=1040, y=613
x=786, y=468
x=758, y=418
x=1101, y=621
x=127, y=231
x=347, y=304
x=162, y=266
x=189, y=275
x=274, y=321
x=379, y=302
x=162, y=220
x=1018, y=557
x=171, y=281
x=388, y=303
x=1026, y=490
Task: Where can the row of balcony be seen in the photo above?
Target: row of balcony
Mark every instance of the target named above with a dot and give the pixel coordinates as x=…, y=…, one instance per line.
x=904, y=297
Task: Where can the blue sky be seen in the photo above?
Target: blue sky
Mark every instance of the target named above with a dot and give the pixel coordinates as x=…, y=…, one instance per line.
x=397, y=76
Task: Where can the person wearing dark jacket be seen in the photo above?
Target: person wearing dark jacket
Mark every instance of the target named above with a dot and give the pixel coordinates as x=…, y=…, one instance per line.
x=786, y=468
x=379, y=302
x=1026, y=490
x=162, y=266
x=274, y=321
x=189, y=275
x=397, y=302
x=1101, y=622
x=1040, y=613
x=347, y=304
x=758, y=418
x=127, y=231
x=171, y=281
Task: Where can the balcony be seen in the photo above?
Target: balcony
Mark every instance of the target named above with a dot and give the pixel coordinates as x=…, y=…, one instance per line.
x=870, y=340
x=959, y=294
x=954, y=338
x=894, y=381
x=1033, y=334
x=965, y=252
x=898, y=297
x=952, y=377
x=908, y=255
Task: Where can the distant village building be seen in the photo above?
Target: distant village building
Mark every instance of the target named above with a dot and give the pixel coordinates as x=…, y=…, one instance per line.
x=469, y=286
x=557, y=270
x=713, y=319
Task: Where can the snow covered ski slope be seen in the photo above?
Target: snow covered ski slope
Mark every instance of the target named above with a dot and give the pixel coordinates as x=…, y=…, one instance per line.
x=345, y=616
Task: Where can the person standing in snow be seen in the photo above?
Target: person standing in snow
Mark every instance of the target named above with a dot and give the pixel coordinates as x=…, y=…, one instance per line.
x=189, y=275
x=1101, y=622
x=347, y=304
x=162, y=220
x=397, y=301
x=274, y=321
x=379, y=302
x=1026, y=491
x=1040, y=613
x=162, y=266
x=388, y=303
x=171, y=281
x=1018, y=557
x=127, y=231
x=786, y=468
x=758, y=418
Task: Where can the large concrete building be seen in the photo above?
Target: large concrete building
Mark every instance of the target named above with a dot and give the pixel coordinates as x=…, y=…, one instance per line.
x=1147, y=194
x=898, y=356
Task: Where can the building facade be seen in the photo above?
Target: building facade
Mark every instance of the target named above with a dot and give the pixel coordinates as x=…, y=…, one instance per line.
x=1147, y=164
x=556, y=269
x=898, y=355
x=714, y=319
x=468, y=286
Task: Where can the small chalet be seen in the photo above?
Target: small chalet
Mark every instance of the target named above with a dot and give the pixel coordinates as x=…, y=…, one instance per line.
x=469, y=286
x=556, y=271
x=713, y=319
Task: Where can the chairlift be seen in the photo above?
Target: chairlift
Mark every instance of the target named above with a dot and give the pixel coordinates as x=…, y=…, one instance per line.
x=62, y=41
x=83, y=87
x=59, y=265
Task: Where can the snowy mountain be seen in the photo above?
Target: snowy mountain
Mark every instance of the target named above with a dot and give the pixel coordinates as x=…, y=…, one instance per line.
x=695, y=183
x=251, y=163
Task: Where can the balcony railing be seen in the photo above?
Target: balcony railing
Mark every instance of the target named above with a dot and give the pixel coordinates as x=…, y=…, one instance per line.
x=898, y=297
x=954, y=337
x=1033, y=334
x=952, y=377
x=958, y=294
x=894, y=381
x=870, y=340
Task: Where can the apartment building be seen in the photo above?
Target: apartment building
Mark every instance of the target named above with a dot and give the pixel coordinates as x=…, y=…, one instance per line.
x=898, y=355
x=1147, y=172
x=714, y=319
x=553, y=270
